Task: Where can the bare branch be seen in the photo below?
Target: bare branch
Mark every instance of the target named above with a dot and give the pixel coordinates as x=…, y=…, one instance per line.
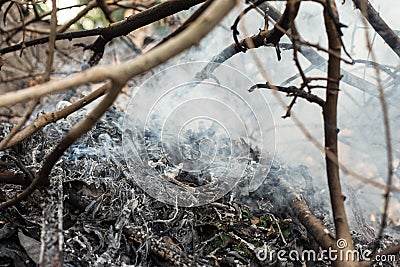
x=331, y=135
x=47, y=118
x=52, y=43
x=380, y=26
x=106, y=34
x=92, y=4
x=11, y=177
x=292, y=91
x=134, y=22
x=6, y=141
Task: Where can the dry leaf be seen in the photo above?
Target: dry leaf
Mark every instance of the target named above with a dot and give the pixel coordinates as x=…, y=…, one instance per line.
x=31, y=246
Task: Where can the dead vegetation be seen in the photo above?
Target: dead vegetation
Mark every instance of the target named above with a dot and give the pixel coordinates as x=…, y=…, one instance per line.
x=68, y=196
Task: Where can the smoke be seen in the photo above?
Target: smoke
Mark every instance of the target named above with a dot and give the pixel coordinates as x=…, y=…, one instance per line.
x=205, y=128
x=361, y=139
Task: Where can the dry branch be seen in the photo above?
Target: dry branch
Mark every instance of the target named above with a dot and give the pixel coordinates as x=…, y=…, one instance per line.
x=11, y=177
x=322, y=235
x=292, y=91
x=14, y=131
x=92, y=4
x=134, y=22
x=47, y=118
x=331, y=135
x=106, y=34
x=310, y=54
x=379, y=25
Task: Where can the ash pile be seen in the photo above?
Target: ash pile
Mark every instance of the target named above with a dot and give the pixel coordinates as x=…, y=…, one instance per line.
x=106, y=219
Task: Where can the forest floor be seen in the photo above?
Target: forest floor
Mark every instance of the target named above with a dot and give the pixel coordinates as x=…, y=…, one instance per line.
x=94, y=214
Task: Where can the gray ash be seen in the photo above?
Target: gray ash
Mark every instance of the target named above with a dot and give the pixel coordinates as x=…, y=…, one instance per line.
x=108, y=202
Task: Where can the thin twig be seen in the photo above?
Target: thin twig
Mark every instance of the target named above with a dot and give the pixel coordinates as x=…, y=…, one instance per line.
x=292, y=91
x=106, y=11
x=136, y=21
x=92, y=4
x=37, y=18
x=52, y=42
x=294, y=38
x=388, y=139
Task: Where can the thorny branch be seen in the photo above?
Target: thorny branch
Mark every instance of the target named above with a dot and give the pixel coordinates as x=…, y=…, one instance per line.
x=292, y=91
x=331, y=134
